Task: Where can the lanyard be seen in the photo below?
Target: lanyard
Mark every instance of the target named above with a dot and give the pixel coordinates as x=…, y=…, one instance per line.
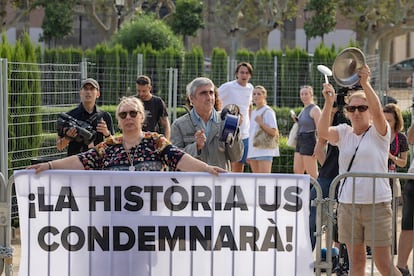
x=396, y=145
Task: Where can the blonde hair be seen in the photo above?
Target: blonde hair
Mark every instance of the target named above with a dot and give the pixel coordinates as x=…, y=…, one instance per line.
x=131, y=100
x=261, y=88
x=307, y=87
x=360, y=94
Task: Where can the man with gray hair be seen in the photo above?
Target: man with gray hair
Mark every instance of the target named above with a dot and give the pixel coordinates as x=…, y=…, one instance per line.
x=200, y=131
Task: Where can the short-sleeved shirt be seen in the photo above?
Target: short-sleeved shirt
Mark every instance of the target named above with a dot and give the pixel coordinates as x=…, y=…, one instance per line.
x=402, y=146
x=372, y=156
x=79, y=113
x=269, y=119
x=153, y=153
x=233, y=93
x=154, y=110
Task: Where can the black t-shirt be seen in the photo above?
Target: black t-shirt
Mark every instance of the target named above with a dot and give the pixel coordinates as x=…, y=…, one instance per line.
x=154, y=110
x=330, y=168
x=81, y=114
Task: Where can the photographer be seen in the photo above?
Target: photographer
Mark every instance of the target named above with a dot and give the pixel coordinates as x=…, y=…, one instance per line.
x=330, y=168
x=88, y=125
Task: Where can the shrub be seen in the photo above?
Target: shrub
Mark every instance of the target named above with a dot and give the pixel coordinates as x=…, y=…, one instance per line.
x=146, y=29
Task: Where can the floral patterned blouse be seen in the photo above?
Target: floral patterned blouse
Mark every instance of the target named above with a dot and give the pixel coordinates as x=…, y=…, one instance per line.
x=154, y=153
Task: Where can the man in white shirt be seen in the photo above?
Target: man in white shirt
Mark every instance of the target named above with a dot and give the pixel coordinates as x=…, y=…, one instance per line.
x=240, y=93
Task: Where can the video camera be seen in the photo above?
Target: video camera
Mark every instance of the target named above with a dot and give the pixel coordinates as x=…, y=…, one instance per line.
x=86, y=133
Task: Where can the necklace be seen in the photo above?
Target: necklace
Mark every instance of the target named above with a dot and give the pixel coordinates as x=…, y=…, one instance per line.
x=131, y=161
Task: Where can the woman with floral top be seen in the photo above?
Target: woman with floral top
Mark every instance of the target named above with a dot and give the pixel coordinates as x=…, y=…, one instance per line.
x=133, y=151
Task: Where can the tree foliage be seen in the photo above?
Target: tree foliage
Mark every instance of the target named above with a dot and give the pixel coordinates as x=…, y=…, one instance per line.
x=187, y=18
x=376, y=20
x=323, y=19
x=146, y=29
x=58, y=20
x=377, y=23
x=253, y=18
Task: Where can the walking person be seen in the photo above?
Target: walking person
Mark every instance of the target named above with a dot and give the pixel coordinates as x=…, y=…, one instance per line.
x=308, y=151
x=87, y=111
x=260, y=157
x=239, y=92
x=155, y=111
x=363, y=146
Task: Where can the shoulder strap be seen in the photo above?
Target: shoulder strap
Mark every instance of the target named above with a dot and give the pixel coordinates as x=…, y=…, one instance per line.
x=267, y=108
x=356, y=149
x=352, y=160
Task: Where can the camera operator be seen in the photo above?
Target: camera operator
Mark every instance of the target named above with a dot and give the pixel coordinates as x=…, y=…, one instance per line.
x=88, y=112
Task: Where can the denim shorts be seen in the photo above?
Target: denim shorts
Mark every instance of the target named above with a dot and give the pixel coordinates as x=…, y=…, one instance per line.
x=306, y=142
x=268, y=158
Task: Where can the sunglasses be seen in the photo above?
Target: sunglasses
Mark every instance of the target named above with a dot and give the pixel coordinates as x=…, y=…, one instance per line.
x=352, y=108
x=131, y=113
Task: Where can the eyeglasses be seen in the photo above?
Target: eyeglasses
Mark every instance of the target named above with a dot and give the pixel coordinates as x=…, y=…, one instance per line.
x=131, y=113
x=352, y=108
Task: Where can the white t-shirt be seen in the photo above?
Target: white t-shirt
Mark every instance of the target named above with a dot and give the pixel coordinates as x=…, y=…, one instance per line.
x=269, y=118
x=371, y=157
x=233, y=93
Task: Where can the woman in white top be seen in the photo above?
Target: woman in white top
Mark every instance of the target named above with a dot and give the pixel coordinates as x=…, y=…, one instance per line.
x=364, y=218
x=263, y=117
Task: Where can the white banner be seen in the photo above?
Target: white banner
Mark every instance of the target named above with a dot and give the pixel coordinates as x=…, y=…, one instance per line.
x=107, y=223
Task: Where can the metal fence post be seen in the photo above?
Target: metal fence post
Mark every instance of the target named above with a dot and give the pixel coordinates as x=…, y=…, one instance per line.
x=170, y=90
x=6, y=251
x=275, y=80
x=84, y=69
x=175, y=93
x=140, y=62
x=4, y=152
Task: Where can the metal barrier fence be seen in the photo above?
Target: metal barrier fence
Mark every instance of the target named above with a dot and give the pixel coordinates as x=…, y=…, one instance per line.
x=329, y=214
x=60, y=84
x=54, y=88
x=325, y=221
x=268, y=180
x=6, y=251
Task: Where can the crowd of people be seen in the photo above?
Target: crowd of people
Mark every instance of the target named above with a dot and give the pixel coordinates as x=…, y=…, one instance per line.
x=352, y=135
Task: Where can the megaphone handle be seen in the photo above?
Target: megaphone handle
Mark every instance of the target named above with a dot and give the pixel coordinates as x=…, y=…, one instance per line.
x=326, y=79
